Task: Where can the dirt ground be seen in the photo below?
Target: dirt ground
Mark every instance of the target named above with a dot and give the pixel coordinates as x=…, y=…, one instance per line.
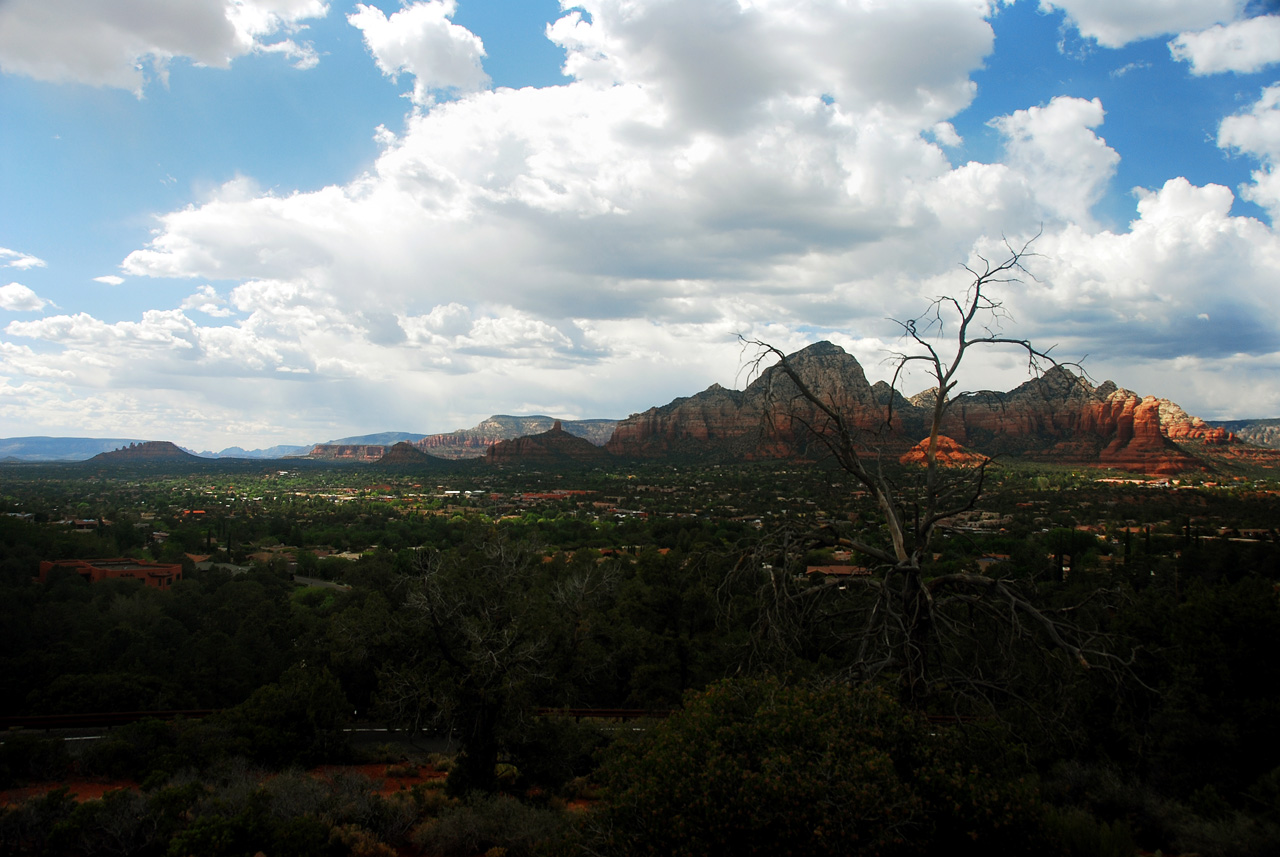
x=388, y=779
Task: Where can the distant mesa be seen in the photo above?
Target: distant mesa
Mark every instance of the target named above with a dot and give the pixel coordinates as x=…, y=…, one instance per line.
x=467, y=443
x=146, y=451
x=554, y=446
x=475, y=442
x=42, y=448
x=346, y=452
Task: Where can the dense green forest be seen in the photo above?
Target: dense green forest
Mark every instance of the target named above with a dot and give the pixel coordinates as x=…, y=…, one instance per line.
x=466, y=605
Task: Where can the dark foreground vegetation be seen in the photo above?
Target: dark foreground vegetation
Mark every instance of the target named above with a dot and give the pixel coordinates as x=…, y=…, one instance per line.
x=470, y=602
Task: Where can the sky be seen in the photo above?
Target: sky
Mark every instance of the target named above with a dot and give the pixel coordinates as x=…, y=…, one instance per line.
x=253, y=222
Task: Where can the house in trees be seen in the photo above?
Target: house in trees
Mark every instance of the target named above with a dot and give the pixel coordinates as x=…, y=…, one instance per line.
x=154, y=574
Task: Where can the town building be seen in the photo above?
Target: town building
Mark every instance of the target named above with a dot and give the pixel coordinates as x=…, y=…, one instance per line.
x=154, y=574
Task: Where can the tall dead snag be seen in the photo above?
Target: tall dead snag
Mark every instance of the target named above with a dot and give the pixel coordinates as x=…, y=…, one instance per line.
x=931, y=631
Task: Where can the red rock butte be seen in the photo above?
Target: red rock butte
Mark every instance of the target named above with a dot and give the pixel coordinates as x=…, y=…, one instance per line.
x=948, y=454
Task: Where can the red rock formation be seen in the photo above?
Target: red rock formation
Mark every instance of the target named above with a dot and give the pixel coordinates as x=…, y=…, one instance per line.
x=948, y=453
x=473, y=442
x=1139, y=445
x=715, y=414
x=346, y=452
x=555, y=446
x=770, y=419
x=1177, y=424
x=1057, y=417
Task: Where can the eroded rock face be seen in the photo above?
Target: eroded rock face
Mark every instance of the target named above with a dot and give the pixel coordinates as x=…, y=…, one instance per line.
x=346, y=452
x=948, y=454
x=715, y=414
x=1140, y=445
x=1177, y=424
x=769, y=419
x=555, y=446
x=475, y=442
x=1059, y=416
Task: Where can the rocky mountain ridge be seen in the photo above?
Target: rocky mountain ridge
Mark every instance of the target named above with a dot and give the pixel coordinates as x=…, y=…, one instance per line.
x=145, y=451
x=552, y=447
x=468, y=443
x=1059, y=417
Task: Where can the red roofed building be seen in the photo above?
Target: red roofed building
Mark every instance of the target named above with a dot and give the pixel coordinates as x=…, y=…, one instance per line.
x=154, y=574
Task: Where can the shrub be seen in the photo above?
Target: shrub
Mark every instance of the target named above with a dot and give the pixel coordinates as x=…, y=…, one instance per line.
x=24, y=757
x=755, y=767
x=1079, y=834
x=499, y=821
x=551, y=751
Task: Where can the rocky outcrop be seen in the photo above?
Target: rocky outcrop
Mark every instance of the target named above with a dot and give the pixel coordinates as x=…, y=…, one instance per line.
x=147, y=451
x=346, y=452
x=769, y=419
x=554, y=446
x=948, y=454
x=1139, y=444
x=1059, y=417
x=474, y=442
x=1177, y=424
x=405, y=453
x=1257, y=432
x=692, y=423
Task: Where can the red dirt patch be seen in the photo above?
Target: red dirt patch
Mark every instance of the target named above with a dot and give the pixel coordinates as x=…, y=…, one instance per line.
x=82, y=790
x=393, y=778
x=387, y=779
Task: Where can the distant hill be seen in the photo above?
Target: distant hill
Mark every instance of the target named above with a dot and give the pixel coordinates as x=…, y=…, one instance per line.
x=58, y=448
x=405, y=454
x=1257, y=432
x=268, y=453
x=475, y=442
x=384, y=438
x=555, y=446
x=148, y=451
x=463, y=443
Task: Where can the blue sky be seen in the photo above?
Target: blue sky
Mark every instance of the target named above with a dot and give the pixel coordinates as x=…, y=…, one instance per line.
x=253, y=222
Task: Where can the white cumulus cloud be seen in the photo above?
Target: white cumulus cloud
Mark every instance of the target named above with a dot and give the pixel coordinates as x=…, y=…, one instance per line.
x=420, y=40
x=16, y=297
x=1067, y=165
x=208, y=301
x=1115, y=24
x=710, y=168
x=14, y=259
x=1256, y=132
x=112, y=43
x=1241, y=46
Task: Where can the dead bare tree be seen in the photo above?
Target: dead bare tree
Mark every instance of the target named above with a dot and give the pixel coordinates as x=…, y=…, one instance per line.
x=930, y=631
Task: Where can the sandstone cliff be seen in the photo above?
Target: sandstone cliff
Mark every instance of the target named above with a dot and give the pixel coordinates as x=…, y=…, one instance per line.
x=346, y=452
x=769, y=419
x=1057, y=417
